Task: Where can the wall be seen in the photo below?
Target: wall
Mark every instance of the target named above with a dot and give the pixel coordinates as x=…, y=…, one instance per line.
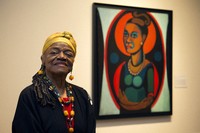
x=25, y=24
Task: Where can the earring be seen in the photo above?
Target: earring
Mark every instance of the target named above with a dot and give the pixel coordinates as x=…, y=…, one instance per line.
x=71, y=77
x=41, y=71
x=141, y=43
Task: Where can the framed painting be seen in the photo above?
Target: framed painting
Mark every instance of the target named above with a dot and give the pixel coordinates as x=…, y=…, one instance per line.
x=132, y=61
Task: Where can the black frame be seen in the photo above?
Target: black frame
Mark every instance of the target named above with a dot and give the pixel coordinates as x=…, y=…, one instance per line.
x=98, y=60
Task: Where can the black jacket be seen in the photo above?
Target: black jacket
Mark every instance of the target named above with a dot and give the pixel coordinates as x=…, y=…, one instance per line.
x=31, y=117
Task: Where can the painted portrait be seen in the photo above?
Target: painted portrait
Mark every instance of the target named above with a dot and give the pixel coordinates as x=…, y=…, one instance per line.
x=132, y=50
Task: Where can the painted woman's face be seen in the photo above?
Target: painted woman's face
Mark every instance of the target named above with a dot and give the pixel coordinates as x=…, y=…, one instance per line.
x=132, y=38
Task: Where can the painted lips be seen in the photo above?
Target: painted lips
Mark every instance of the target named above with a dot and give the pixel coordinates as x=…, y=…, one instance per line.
x=129, y=45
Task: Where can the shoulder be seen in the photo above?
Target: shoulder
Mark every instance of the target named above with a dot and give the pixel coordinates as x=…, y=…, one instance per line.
x=27, y=94
x=81, y=92
x=27, y=90
x=148, y=64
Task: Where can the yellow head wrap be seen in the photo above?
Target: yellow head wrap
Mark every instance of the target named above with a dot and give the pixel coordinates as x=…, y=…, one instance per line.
x=64, y=37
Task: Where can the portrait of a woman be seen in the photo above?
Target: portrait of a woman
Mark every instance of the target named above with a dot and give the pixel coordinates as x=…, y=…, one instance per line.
x=137, y=76
x=133, y=60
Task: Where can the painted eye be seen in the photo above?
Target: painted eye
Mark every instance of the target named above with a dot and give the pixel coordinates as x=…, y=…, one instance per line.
x=134, y=35
x=125, y=33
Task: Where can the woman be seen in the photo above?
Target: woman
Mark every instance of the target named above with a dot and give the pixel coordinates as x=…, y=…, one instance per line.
x=50, y=104
x=137, y=84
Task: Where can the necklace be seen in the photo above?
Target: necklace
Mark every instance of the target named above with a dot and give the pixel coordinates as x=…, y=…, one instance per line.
x=138, y=69
x=68, y=108
x=67, y=104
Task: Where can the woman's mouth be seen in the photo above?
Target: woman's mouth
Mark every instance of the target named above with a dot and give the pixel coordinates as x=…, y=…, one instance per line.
x=60, y=64
x=129, y=45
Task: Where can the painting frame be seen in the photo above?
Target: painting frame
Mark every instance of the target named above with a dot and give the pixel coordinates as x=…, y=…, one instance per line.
x=104, y=92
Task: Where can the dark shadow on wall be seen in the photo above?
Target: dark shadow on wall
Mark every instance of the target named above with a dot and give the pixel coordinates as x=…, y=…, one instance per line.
x=133, y=121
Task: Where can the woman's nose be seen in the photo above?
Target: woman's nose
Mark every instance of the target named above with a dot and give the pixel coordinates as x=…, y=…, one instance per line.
x=62, y=55
x=129, y=39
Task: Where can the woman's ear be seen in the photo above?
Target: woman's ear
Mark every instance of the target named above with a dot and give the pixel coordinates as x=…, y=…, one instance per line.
x=42, y=59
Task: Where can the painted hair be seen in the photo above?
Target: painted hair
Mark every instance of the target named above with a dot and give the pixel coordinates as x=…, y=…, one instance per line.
x=142, y=19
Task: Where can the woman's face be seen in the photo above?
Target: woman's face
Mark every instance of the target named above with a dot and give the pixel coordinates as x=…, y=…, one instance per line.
x=132, y=38
x=58, y=59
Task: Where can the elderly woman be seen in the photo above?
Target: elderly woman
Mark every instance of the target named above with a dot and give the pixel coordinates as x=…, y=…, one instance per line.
x=50, y=104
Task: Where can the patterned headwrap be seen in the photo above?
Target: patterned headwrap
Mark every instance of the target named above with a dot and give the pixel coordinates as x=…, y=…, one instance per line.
x=64, y=37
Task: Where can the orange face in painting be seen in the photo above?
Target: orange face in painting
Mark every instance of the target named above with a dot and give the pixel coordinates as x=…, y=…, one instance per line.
x=132, y=38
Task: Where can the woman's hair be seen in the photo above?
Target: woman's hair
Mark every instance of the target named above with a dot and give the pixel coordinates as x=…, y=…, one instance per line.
x=142, y=19
x=41, y=88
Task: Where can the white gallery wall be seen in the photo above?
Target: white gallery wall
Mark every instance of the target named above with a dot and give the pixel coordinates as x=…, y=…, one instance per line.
x=25, y=25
